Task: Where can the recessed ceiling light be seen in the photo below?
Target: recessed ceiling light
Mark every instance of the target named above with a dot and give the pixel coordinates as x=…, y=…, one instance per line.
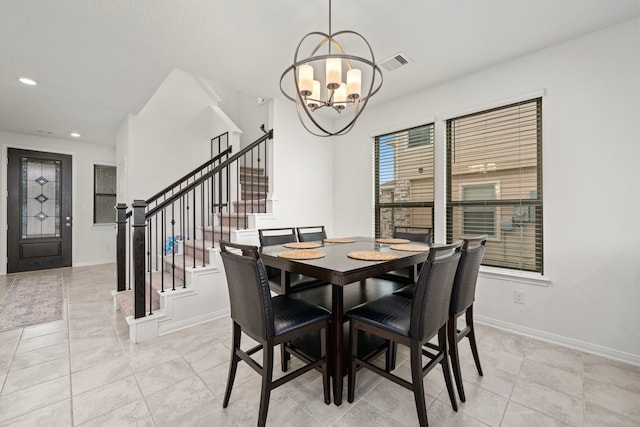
x=75, y=134
x=27, y=81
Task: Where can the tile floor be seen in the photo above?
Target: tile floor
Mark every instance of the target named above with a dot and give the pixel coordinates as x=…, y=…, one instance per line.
x=84, y=371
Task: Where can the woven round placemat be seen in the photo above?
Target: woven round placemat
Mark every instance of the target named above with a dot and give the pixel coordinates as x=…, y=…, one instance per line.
x=410, y=248
x=301, y=254
x=302, y=245
x=372, y=255
x=392, y=241
x=340, y=240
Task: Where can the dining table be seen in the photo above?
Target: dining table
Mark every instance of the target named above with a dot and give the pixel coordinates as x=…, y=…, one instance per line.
x=339, y=269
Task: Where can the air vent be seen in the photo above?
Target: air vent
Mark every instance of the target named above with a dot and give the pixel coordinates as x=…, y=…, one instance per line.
x=396, y=61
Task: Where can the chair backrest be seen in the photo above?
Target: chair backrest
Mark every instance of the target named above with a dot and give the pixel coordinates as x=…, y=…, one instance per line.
x=430, y=309
x=249, y=293
x=311, y=234
x=464, y=285
x=276, y=236
x=415, y=234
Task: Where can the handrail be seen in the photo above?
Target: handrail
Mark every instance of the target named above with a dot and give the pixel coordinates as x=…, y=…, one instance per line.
x=189, y=175
x=155, y=230
x=217, y=169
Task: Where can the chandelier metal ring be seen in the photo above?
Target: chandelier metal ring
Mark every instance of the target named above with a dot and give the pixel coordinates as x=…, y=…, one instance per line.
x=306, y=104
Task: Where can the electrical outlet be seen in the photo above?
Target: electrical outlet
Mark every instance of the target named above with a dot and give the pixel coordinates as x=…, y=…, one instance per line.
x=518, y=297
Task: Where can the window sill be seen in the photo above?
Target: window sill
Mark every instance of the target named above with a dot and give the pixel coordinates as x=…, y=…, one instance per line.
x=527, y=278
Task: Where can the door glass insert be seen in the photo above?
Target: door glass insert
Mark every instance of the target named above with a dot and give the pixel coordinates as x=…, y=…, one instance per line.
x=40, y=198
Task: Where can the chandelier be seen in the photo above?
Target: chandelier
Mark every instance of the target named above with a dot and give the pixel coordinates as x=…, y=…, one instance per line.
x=318, y=101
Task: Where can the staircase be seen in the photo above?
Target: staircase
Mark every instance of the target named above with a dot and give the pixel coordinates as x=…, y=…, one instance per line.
x=187, y=286
x=254, y=187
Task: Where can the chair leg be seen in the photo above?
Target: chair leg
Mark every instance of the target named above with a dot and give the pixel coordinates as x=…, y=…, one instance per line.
x=416, y=379
x=324, y=339
x=446, y=370
x=267, y=376
x=233, y=365
x=472, y=338
x=353, y=351
x=392, y=350
x=285, y=357
x=455, y=357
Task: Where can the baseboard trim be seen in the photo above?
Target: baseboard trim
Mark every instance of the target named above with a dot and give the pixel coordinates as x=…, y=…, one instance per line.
x=598, y=350
x=88, y=263
x=177, y=326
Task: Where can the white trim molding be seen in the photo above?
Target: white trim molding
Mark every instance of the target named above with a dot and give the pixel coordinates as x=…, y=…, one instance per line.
x=586, y=347
x=526, y=277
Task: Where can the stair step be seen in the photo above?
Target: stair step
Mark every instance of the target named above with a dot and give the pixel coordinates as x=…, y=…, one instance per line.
x=126, y=299
x=235, y=220
x=199, y=253
x=254, y=186
x=126, y=302
x=180, y=261
x=214, y=234
x=251, y=170
x=165, y=278
x=254, y=179
x=250, y=206
x=257, y=195
x=127, y=305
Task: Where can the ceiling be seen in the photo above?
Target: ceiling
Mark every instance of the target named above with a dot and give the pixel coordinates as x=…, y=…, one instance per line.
x=97, y=60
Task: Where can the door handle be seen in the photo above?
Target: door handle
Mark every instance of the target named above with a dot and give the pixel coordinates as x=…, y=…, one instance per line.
x=68, y=224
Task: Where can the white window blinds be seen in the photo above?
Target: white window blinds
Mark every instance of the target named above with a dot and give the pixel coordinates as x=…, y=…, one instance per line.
x=494, y=183
x=404, y=179
x=104, y=194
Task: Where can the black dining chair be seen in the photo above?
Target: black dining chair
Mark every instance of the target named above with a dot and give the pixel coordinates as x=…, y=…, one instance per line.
x=462, y=298
x=269, y=321
x=411, y=322
x=280, y=236
x=414, y=234
x=311, y=234
x=277, y=236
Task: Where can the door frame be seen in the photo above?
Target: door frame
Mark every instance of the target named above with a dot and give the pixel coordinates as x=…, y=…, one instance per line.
x=4, y=193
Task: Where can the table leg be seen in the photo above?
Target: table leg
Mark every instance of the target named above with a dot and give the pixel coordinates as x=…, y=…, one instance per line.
x=338, y=342
x=285, y=282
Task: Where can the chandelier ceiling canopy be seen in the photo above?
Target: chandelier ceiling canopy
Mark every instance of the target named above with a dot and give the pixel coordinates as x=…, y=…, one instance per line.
x=319, y=82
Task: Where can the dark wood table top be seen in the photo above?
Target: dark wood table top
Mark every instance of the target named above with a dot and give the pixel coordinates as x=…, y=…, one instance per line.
x=336, y=267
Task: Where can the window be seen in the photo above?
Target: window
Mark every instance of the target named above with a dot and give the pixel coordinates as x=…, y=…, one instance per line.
x=404, y=179
x=420, y=136
x=479, y=219
x=494, y=183
x=104, y=194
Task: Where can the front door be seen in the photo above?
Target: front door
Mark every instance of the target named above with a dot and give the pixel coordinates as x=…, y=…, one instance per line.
x=38, y=210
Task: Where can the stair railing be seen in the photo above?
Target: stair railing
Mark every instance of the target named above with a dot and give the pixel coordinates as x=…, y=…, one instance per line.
x=123, y=217
x=211, y=200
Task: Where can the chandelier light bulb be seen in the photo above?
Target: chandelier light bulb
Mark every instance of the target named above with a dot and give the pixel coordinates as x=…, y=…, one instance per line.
x=305, y=79
x=313, y=101
x=334, y=73
x=340, y=97
x=354, y=83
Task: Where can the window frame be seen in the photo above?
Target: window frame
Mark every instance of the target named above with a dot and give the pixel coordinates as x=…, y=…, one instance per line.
x=380, y=206
x=96, y=166
x=534, y=203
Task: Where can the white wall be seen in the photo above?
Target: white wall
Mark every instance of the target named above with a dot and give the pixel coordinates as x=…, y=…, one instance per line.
x=244, y=110
x=171, y=134
x=91, y=244
x=303, y=173
x=591, y=147
x=168, y=137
